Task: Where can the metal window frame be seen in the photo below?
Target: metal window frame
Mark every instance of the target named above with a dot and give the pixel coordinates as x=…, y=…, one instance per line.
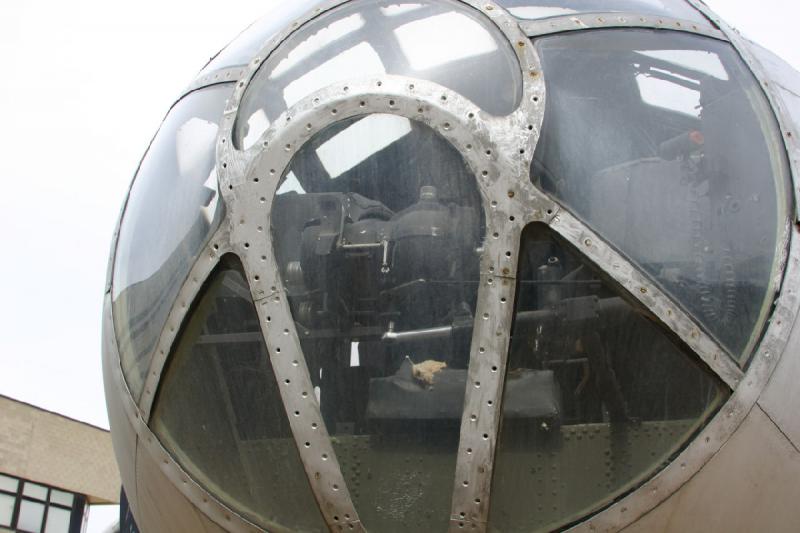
x=507, y=193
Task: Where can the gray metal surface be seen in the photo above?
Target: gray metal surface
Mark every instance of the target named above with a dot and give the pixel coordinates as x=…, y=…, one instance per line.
x=759, y=493
x=781, y=396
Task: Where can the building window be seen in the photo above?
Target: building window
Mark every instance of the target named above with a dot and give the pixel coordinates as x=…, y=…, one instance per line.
x=34, y=508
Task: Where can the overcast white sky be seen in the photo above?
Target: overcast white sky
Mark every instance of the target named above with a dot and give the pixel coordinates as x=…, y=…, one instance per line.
x=84, y=85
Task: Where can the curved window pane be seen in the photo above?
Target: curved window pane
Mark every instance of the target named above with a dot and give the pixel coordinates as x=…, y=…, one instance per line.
x=664, y=143
x=248, y=43
x=220, y=414
x=444, y=42
x=171, y=212
x=596, y=399
x=538, y=9
x=377, y=229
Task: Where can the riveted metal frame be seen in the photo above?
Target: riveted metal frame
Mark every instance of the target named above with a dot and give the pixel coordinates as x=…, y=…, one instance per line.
x=648, y=294
x=589, y=21
x=499, y=151
x=208, y=259
x=483, y=142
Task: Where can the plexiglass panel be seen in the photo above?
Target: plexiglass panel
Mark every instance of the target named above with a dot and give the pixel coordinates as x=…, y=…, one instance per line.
x=172, y=210
x=247, y=44
x=610, y=398
x=445, y=42
x=663, y=142
x=220, y=414
x=538, y=9
x=377, y=230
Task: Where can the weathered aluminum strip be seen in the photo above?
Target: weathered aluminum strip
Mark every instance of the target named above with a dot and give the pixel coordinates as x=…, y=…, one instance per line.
x=472, y=132
x=510, y=203
x=249, y=198
x=538, y=27
x=639, y=286
x=223, y=75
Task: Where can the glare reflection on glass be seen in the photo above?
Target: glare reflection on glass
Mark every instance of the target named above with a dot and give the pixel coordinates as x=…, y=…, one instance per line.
x=399, y=9
x=318, y=41
x=446, y=38
x=359, y=61
x=538, y=12
x=290, y=184
x=363, y=139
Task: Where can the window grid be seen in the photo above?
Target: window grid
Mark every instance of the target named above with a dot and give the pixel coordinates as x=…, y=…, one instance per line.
x=19, y=498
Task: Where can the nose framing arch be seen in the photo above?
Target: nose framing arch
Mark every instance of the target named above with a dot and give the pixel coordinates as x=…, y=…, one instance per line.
x=499, y=152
